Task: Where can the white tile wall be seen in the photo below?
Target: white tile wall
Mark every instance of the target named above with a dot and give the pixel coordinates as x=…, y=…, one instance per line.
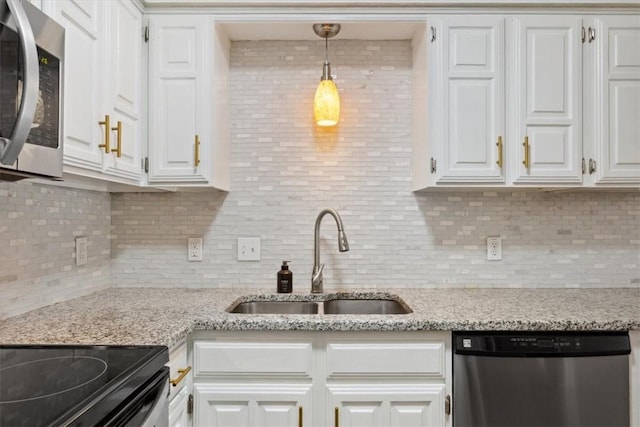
x=285, y=170
x=38, y=227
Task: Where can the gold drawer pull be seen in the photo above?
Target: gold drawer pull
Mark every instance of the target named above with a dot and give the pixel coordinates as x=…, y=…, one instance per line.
x=183, y=373
x=118, y=130
x=107, y=129
x=526, y=161
x=197, y=151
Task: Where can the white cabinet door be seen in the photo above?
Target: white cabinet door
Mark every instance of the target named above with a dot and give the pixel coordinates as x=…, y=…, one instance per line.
x=613, y=76
x=252, y=405
x=123, y=97
x=387, y=405
x=83, y=21
x=546, y=91
x=470, y=53
x=178, y=414
x=179, y=98
x=102, y=77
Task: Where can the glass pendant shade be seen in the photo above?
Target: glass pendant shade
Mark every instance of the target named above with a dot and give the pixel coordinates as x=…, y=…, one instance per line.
x=326, y=104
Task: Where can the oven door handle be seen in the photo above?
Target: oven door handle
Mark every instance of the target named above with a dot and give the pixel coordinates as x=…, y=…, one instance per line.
x=10, y=147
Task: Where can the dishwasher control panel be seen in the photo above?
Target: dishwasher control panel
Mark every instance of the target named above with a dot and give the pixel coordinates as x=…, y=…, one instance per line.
x=541, y=343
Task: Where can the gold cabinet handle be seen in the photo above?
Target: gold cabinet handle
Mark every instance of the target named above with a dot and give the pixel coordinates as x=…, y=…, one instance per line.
x=197, y=151
x=499, y=145
x=107, y=129
x=118, y=130
x=525, y=144
x=183, y=373
x=336, y=417
x=300, y=416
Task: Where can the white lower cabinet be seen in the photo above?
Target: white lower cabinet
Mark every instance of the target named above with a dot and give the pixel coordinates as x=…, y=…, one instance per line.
x=393, y=405
x=179, y=415
x=180, y=399
x=321, y=379
x=255, y=405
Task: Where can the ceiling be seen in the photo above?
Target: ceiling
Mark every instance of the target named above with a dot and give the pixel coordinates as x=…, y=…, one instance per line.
x=304, y=31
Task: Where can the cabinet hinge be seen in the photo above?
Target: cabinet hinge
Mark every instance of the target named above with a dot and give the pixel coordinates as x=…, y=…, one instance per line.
x=146, y=34
x=433, y=165
x=190, y=404
x=145, y=165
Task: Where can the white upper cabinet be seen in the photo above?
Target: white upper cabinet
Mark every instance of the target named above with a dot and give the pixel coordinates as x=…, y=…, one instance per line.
x=471, y=98
x=123, y=99
x=613, y=73
x=527, y=100
x=188, y=93
x=102, y=78
x=546, y=100
x=84, y=34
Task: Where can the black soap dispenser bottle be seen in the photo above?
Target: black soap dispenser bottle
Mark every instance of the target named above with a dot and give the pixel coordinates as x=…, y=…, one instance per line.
x=285, y=279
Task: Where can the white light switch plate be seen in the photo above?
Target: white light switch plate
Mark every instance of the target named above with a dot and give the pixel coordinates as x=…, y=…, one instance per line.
x=248, y=249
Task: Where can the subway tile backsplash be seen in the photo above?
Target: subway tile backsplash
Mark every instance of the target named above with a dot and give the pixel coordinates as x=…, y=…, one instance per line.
x=38, y=227
x=582, y=239
x=284, y=171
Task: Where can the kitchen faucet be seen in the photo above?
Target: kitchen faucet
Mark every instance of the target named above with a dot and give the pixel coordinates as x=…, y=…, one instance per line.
x=343, y=246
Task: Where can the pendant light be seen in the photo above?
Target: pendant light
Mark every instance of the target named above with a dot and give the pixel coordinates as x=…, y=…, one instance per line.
x=326, y=103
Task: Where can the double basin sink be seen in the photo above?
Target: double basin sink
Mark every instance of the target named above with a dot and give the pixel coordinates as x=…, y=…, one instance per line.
x=340, y=305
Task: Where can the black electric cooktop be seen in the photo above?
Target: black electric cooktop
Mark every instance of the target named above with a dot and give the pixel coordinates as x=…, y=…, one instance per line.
x=72, y=385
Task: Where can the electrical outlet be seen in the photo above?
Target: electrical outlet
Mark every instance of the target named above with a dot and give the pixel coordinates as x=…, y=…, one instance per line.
x=82, y=250
x=248, y=249
x=194, y=249
x=494, y=248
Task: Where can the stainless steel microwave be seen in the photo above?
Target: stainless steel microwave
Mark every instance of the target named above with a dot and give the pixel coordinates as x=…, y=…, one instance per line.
x=31, y=67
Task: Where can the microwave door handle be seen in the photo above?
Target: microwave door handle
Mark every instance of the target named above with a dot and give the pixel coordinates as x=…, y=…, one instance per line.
x=10, y=147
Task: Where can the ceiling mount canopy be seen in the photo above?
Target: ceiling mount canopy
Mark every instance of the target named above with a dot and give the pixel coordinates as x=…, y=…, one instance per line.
x=326, y=31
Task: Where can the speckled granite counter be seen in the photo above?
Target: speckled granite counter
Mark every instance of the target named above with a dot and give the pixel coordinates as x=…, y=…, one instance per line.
x=165, y=316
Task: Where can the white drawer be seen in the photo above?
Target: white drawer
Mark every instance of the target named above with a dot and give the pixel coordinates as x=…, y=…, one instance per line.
x=178, y=362
x=426, y=359
x=223, y=358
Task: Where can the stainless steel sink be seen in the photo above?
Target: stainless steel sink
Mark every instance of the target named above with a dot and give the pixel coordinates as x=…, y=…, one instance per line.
x=365, y=306
x=276, y=307
x=332, y=306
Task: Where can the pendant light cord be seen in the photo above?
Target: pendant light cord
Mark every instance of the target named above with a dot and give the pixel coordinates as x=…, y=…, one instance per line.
x=326, y=49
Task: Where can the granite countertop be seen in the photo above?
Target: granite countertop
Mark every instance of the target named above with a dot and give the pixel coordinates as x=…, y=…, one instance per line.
x=165, y=316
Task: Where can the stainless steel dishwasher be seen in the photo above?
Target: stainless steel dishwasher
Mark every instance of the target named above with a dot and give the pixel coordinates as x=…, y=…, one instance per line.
x=541, y=379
